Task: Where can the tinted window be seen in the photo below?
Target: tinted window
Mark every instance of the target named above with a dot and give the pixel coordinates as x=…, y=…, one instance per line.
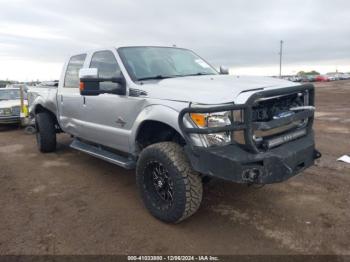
x=106, y=63
x=72, y=74
x=151, y=62
x=107, y=67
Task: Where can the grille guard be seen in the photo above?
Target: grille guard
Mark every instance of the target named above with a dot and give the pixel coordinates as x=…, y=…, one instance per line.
x=248, y=126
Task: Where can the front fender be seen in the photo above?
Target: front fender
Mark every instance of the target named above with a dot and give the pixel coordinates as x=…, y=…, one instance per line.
x=45, y=98
x=160, y=113
x=33, y=104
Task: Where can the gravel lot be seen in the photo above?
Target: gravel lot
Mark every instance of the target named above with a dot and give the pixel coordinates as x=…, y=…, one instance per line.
x=71, y=203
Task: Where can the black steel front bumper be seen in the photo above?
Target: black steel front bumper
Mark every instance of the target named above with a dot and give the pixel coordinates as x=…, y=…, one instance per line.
x=235, y=164
x=246, y=163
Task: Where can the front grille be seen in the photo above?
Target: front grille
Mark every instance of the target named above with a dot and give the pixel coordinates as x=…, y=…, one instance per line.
x=16, y=110
x=266, y=120
x=269, y=109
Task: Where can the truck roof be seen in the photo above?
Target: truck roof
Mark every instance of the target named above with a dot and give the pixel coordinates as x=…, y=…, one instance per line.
x=120, y=46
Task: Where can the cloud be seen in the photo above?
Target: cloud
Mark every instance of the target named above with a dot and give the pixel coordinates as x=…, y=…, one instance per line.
x=28, y=31
x=236, y=33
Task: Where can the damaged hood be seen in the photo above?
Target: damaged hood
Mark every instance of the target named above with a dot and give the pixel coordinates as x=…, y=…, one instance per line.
x=213, y=89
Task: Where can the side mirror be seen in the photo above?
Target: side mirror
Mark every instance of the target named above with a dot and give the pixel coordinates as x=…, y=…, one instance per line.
x=90, y=83
x=224, y=70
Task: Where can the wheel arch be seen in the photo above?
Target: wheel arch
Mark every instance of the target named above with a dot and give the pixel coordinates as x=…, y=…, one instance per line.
x=151, y=118
x=39, y=108
x=151, y=132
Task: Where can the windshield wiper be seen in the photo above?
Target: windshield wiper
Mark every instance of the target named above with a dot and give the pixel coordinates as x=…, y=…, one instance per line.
x=154, y=77
x=200, y=74
x=172, y=76
x=160, y=77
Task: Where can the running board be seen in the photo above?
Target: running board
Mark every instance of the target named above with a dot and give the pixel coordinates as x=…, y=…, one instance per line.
x=103, y=154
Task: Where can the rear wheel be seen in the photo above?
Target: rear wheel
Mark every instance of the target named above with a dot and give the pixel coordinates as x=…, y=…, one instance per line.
x=45, y=132
x=169, y=188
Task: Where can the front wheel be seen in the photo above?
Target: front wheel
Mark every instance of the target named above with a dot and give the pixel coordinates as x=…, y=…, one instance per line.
x=170, y=189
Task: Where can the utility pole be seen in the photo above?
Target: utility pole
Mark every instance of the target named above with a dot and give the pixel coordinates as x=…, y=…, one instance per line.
x=281, y=50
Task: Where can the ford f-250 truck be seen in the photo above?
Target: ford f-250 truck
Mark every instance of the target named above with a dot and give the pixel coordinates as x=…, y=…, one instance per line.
x=168, y=113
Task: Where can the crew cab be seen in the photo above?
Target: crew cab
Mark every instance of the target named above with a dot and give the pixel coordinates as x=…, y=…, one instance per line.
x=173, y=117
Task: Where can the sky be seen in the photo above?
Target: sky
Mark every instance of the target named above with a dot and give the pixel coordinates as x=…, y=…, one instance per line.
x=36, y=36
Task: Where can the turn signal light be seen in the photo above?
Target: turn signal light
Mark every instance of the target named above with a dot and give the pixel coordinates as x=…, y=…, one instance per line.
x=82, y=86
x=199, y=119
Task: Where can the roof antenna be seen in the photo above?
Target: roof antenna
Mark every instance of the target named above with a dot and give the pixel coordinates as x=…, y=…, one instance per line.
x=174, y=45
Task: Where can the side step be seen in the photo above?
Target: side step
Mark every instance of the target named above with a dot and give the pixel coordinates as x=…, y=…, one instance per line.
x=103, y=154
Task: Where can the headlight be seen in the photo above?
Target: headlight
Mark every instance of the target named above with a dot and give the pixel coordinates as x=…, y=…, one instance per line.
x=217, y=119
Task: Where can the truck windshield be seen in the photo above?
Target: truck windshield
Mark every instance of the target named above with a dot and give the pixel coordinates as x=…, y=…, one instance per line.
x=11, y=94
x=146, y=63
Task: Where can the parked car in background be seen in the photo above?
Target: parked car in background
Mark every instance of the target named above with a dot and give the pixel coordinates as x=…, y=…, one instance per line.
x=343, y=76
x=307, y=78
x=311, y=78
x=347, y=76
x=24, y=86
x=338, y=76
x=331, y=78
x=321, y=78
x=295, y=79
x=48, y=84
x=10, y=105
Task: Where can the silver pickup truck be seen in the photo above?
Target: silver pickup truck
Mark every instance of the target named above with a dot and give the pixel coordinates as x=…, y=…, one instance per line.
x=170, y=115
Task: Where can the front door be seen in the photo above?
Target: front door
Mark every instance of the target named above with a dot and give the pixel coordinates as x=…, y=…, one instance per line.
x=108, y=118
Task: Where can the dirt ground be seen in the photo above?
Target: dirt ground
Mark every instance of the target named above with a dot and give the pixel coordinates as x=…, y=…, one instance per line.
x=71, y=203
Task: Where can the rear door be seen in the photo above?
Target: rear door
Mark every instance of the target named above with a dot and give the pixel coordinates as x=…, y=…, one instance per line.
x=69, y=99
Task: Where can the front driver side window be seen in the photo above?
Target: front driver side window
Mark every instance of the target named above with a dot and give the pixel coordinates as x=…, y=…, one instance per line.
x=107, y=67
x=71, y=79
